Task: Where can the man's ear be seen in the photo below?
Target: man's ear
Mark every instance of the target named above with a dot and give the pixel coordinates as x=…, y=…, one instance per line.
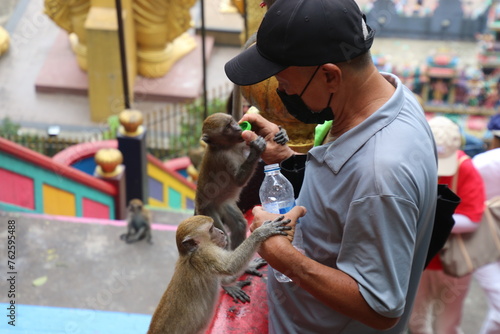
x=332, y=74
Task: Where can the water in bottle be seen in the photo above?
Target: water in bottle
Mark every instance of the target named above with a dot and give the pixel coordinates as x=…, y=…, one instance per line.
x=277, y=196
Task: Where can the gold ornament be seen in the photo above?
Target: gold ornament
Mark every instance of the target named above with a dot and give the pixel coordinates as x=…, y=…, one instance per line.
x=131, y=122
x=108, y=162
x=4, y=41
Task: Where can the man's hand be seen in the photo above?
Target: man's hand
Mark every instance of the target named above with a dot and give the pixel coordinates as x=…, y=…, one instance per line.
x=260, y=216
x=275, y=152
x=278, y=251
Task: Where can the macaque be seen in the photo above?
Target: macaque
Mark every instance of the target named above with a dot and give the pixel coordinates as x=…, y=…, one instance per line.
x=227, y=165
x=138, y=223
x=188, y=304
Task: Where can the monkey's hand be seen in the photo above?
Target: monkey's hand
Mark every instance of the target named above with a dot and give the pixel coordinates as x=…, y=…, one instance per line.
x=272, y=227
x=281, y=137
x=236, y=291
x=275, y=152
x=258, y=145
x=256, y=264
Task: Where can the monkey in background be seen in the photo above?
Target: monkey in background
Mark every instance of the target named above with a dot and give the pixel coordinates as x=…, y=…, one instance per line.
x=188, y=304
x=138, y=223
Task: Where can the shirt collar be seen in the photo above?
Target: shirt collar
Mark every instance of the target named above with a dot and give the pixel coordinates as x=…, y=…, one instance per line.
x=337, y=153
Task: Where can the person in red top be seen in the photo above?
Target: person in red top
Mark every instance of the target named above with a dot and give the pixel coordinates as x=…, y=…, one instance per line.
x=440, y=297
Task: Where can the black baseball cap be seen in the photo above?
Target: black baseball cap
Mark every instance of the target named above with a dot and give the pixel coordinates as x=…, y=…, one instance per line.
x=302, y=33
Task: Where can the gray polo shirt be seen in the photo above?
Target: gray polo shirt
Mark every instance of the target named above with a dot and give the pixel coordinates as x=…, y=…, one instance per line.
x=370, y=197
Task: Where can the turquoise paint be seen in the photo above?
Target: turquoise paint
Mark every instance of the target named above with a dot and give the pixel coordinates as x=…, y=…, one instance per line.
x=38, y=191
x=174, y=199
x=54, y=320
x=42, y=176
x=13, y=208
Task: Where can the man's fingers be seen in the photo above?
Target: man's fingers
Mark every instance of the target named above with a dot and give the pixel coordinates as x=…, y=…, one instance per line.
x=256, y=209
x=248, y=136
x=298, y=211
x=260, y=124
x=253, y=118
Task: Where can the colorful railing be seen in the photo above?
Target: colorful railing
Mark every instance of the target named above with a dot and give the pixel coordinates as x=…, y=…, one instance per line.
x=32, y=182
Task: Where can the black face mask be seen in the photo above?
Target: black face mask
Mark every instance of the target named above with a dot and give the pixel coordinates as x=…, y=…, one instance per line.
x=298, y=109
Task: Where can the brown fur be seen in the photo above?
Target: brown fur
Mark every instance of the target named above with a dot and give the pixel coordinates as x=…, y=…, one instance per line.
x=189, y=301
x=227, y=165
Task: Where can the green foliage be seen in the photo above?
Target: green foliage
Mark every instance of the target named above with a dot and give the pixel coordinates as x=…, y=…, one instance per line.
x=113, y=125
x=8, y=128
x=191, y=123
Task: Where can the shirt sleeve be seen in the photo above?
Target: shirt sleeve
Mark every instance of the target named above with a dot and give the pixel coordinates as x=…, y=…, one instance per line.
x=377, y=250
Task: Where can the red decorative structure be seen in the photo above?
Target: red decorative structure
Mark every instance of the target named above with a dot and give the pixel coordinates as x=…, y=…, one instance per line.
x=17, y=189
x=238, y=318
x=93, y=209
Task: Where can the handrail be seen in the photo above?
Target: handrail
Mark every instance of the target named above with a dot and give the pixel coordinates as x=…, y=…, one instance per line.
x=45, y=162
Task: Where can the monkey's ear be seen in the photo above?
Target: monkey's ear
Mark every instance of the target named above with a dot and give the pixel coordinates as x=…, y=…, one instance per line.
x=189, y=244
x=205, y=139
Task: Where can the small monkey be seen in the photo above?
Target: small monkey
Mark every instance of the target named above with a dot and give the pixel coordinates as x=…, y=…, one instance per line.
x=227, y=165
x=188, y=303
x=138, y=223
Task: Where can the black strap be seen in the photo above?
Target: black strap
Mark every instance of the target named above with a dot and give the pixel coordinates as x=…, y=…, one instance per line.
x=293, y=169
x=447, y=202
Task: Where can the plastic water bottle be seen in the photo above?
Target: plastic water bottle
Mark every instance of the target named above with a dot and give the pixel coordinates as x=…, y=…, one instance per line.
x=277, y=196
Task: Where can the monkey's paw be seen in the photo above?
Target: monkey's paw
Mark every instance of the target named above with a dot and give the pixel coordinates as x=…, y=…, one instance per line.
x=258, y=144
x=277, y=226
x=281, y=137
x=256, y=264
x=236, y=291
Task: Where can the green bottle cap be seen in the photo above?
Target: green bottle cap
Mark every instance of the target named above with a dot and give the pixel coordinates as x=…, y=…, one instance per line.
x=245, y=126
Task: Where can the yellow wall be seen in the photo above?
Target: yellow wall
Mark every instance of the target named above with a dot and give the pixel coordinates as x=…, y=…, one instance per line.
x=58, y=202
x=169, y=182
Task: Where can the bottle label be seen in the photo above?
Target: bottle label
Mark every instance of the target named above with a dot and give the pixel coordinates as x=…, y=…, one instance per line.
x=279, y=207
x=285, y=210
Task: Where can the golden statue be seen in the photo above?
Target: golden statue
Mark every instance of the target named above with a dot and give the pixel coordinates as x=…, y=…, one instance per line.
x=71, y=15
x=160, y=31
x=254, y=12
x=160, y=27
x=4, y=41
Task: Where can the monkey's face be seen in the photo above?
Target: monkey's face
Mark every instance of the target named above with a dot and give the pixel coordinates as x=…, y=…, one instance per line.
x=135, y=205
x=217, y=236
x=221, y=128
x=196, y=231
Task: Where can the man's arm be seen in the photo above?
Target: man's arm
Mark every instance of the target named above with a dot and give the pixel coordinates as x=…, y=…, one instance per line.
x=331, y=286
